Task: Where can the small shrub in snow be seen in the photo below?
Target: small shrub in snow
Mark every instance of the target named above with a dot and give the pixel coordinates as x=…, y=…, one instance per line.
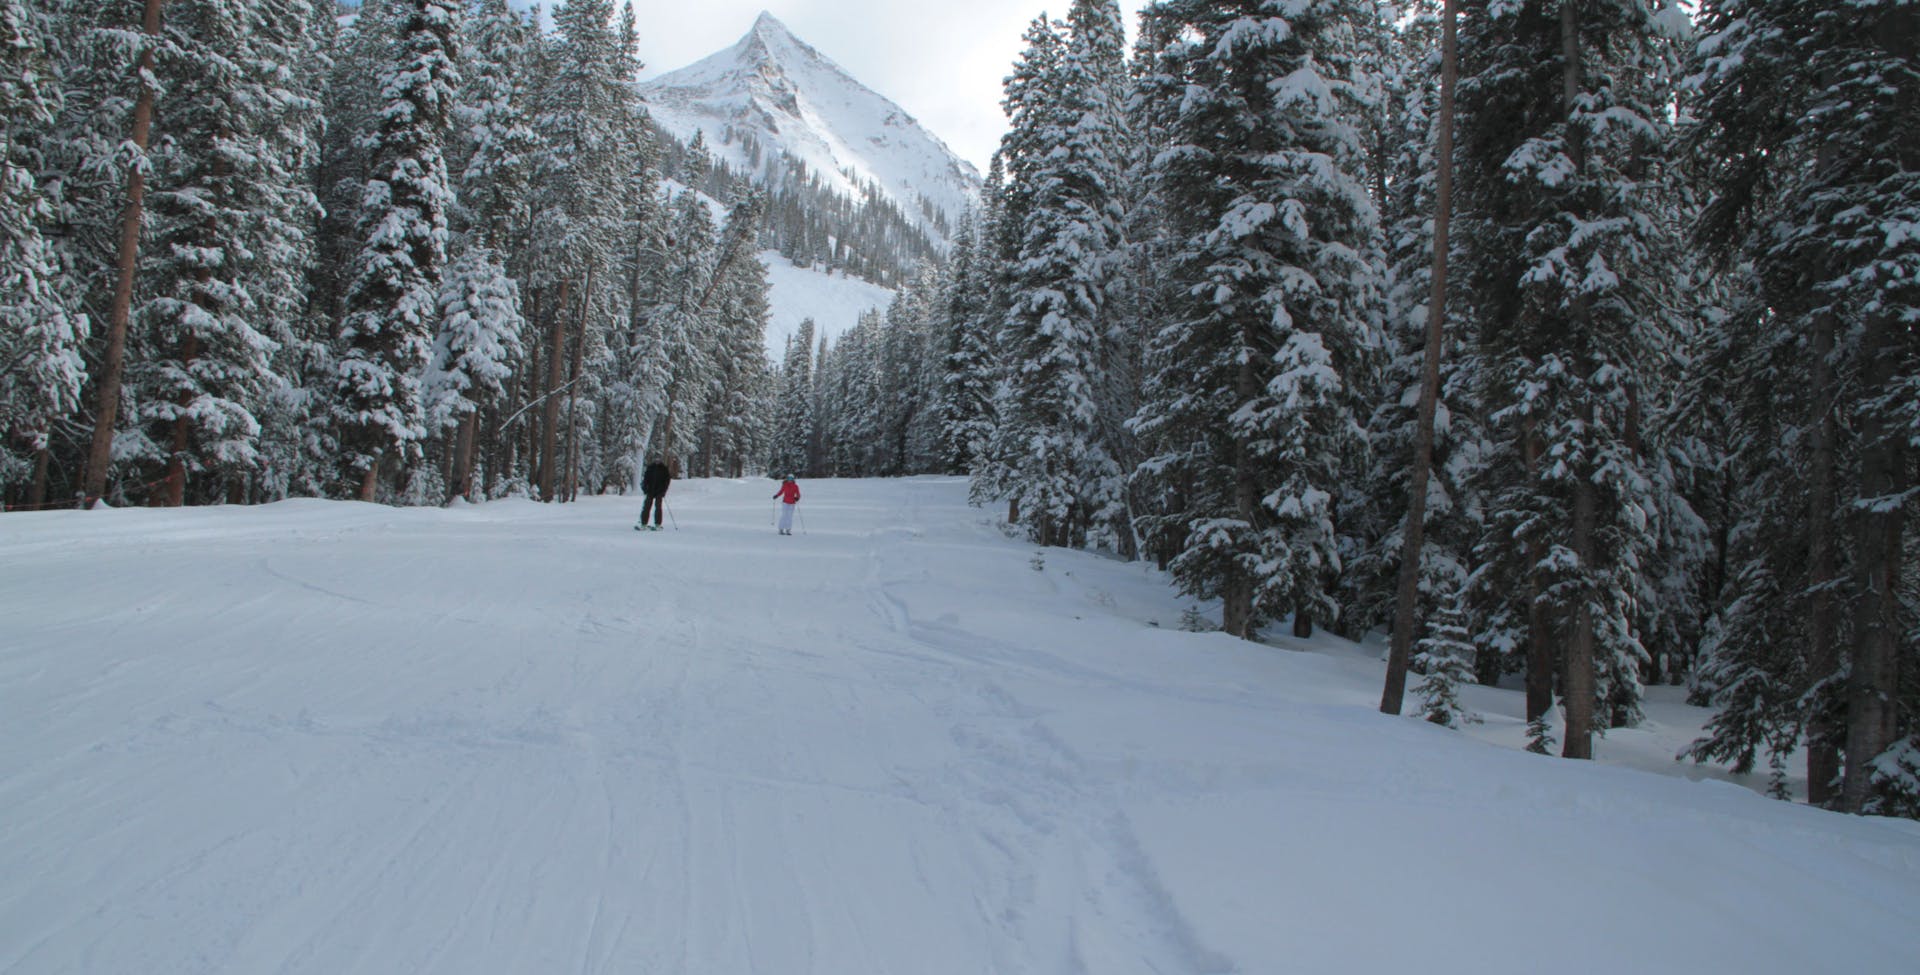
x=1896, y=781
x=1540, y=736
x=1194, y=621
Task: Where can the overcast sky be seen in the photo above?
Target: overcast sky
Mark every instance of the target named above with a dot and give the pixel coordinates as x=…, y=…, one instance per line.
x=941, y=60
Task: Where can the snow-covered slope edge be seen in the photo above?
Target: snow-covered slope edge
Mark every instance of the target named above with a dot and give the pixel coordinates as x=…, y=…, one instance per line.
x=325, y=737
x=792, y=97
x=835, y=302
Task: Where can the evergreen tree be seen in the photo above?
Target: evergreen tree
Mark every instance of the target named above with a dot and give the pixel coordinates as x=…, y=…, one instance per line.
x=585, y=119
x=392, y=302
x=1564, y=251
x=41, y=334
x=1445, y=654
x=1068, y=152
x=676, y=349
x=497, y=145
x=793, y=423
x=232, y=208
x=1252, y=380
x=476, y=349
x=738, y=309
x=966, y=381
x=1805, y=108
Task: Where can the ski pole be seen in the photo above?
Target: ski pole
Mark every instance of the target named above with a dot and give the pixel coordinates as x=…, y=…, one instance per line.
x=670, y=517
x=803, y=519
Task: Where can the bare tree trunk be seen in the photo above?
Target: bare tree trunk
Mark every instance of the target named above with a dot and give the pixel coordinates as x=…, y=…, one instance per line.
x=556, y=374
x=176, y=491
x=1579, y=690
x=1236, y=612
x=1872, y=692
x=126, y=261
x=1540, y=655
x=37, y=494
x=1413, y=543
x=573, y=391
x=370, y=482
x=1823, y=651
x=1579, y=678
x=460, y=484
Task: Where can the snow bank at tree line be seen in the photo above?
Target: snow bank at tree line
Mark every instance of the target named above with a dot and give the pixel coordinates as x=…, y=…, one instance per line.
x=321, y=737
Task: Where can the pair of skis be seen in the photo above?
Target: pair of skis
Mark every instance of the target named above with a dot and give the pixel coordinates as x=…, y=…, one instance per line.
x=642, y=525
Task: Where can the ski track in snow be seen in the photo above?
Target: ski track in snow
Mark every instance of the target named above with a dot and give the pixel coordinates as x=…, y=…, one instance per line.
x=335, y=738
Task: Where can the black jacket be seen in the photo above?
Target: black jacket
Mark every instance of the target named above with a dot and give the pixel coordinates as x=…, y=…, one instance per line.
x=655, y=480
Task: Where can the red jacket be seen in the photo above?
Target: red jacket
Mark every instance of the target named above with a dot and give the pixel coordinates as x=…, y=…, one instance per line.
x=789, y=492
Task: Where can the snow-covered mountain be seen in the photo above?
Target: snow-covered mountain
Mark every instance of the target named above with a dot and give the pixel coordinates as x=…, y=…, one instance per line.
x=787, y=96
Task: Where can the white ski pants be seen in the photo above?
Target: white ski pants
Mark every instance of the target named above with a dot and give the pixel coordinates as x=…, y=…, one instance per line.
x=786, y=516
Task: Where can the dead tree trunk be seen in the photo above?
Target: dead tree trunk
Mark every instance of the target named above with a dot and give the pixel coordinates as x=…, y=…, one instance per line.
x=1823, y=651
x=1413, y=543
x=1873, y=710
x=1579, y=690
x=556, y=374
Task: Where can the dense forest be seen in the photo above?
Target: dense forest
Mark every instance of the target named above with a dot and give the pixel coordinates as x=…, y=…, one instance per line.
x=1574, y=342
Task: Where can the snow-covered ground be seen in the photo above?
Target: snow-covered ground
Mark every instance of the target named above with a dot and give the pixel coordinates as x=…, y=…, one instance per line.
x=335, y=738
x=835, y=302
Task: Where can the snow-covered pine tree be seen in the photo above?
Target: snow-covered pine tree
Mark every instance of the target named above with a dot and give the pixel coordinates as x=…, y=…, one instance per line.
x=967, y=371
x=476, y=349
x=1032, y=97
x=392, y=302
x=675, y=352
x=642, y=260
x=496, y=145
x=232, y=209
x=1156, y=500
x=104, y=131
x=1253, y=380
x=738, y=309
x=907, y=377
x=793, y=419
x=584, y=115
x=1444, y=655
x=480, y=342
x=1806, y=108
x=1068, y=153
x=1565, y=261
x=851, y=398
x=987, y=366
x=41, y=333
x=1377, y=510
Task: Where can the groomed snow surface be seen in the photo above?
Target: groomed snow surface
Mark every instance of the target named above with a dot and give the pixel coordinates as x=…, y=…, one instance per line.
x=333, y=738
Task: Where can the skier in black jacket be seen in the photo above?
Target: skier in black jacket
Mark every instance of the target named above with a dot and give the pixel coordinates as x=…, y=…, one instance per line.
x=653, y=484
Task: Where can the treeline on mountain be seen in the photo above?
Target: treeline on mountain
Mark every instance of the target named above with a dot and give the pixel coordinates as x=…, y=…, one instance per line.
x=808, y=221
x=1670, y=434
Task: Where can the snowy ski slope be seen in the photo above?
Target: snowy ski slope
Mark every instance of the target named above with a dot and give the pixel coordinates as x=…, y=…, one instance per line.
x=335, y=738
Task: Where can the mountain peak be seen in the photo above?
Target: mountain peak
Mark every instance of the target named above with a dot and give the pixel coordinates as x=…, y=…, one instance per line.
x=767, y=25
x=786, y=96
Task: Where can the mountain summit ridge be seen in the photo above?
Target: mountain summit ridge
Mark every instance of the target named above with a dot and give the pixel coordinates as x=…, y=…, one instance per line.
x=790, y=97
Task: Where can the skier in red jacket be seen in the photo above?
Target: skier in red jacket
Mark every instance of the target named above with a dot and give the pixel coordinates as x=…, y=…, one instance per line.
x=789, y=495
